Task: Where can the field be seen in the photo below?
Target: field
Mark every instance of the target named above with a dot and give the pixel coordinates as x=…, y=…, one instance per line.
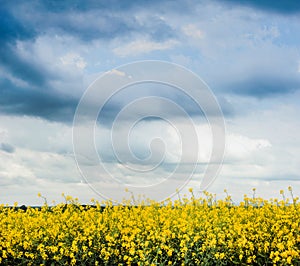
x=188, y=231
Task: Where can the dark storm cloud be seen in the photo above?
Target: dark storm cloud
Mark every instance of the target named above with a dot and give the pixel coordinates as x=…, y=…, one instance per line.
x=97, y=25
x=12, y=30
x=265, y=86
x=114, y=106
x=83, y=20
x=106, y=21
x=34, y=74
x=180, y=6
x=281, y=7
x=7, y=147
x=79, y=5
x=88, y=20
x=21, y=101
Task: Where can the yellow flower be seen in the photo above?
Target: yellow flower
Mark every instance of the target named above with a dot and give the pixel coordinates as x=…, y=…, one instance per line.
x=184, y=230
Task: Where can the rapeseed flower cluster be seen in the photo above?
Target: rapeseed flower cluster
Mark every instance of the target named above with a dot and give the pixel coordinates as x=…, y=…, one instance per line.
x=194, y=231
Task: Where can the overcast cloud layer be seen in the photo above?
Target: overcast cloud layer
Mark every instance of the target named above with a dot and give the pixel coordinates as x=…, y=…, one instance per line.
x=248, y=53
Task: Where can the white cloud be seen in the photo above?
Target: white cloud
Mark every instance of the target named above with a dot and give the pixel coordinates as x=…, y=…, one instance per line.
x=12, y=169
x=191, y=30
x=274, y=125
x=117, y=72
x=73, y=59
x=143, y=46
x=256, y=151
x=242, y=148
x=36, y=134
x=3, y=133
x=46, y=155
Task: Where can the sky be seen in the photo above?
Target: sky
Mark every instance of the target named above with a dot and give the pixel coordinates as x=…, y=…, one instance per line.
x=247, y=52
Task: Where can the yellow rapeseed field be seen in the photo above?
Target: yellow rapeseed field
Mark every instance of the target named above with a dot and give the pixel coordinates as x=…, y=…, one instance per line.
x=194, y=231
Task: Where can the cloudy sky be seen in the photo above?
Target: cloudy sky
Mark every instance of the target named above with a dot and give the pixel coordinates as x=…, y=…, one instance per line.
x=248, y=53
